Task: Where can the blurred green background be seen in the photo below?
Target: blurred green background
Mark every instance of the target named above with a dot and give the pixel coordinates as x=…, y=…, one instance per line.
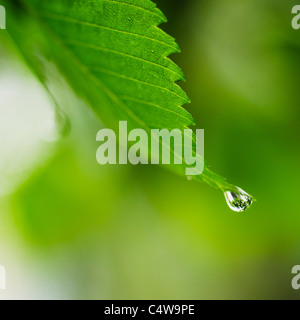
x=71, y=229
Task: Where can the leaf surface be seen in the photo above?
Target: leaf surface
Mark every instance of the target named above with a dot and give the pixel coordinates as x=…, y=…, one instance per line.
x=113, y=54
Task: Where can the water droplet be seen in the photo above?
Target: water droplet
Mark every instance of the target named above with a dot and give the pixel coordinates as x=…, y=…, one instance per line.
x=238, y=200
x=189, y=178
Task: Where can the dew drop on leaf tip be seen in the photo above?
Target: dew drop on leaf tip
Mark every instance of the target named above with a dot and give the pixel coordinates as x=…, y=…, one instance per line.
x=238, y=200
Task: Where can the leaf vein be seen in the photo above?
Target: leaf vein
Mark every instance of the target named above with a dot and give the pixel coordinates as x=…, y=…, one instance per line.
x=135, y=6
x=92, y=46
x=102, y=70
x=58, y=17
x=156, y=106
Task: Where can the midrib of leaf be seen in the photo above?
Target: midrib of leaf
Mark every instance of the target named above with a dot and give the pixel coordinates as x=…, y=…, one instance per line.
x=207, y=175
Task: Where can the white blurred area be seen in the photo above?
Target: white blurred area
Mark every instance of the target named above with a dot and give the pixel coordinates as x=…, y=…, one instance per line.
x=27, y=121
x=27, y=125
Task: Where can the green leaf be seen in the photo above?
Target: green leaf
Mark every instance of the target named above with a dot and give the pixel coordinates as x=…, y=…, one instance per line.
x=113, y=54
